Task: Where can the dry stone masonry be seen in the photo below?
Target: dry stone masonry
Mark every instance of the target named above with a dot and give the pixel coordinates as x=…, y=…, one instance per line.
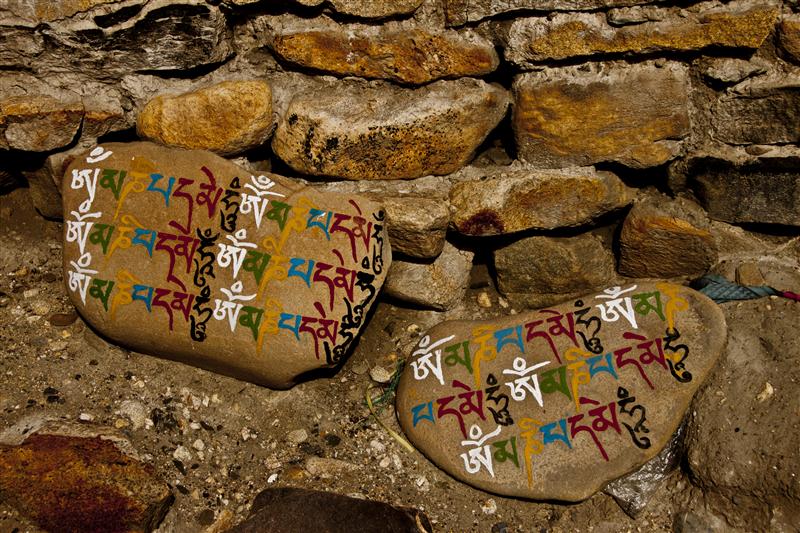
x=184, y=254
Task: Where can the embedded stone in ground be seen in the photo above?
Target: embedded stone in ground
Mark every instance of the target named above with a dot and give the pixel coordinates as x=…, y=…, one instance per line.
x=295, y=510
x=635, y=115
x=185, y=255
x=509, y=199
x=385, y=132
x=79, y=479
x=568, y=35
x=413, y=56
x=526, y=405
x=227, y=118
x=663, y=239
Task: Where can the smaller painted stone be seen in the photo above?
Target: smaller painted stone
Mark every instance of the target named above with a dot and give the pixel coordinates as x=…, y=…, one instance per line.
x=512, y=199
x=79, y=478
x=185, y=255
x=555, y=403
x=226, y=118
x=664, y=239
x=436, y=285
x=412, y=56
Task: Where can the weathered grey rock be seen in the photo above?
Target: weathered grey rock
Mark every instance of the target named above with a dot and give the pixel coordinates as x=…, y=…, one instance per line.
x=729, y=70
x=294, y=510
x=185, y=255
x=742, y=446
x=19, y=46
x=388, y=133
x=79, y=478
x=526, y=405
x=405, y=54
x=38, y=123
x=509, y=199
x=568, y=35
x=665, y=239
x=417, y=226
x=735, y=187
x=460, y=12
x=43, y=11
x=789, y=36
x=440, y=284
x=373, y=9
x=758, y=112
x=554, y=266
x=164, y=35
x=226, y=118
x=620, y=16
x=630, y=114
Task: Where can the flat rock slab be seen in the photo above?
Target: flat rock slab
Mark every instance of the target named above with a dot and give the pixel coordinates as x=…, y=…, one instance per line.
x=67, y=480
x=185, y=255
x=293, y=510
x=555, y=403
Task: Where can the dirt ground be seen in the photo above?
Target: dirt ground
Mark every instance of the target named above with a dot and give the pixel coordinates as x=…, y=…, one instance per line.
x=218, y=441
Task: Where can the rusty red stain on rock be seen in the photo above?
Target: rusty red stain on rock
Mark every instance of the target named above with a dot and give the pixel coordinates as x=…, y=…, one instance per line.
x=66, y=483
x=484, y=222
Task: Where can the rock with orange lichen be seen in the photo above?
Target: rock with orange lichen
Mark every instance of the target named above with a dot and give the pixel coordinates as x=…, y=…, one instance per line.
x=67, y=479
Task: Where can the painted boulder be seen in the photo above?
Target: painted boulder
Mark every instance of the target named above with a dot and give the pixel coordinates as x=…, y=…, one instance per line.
x=555, y=403
x=185, y=255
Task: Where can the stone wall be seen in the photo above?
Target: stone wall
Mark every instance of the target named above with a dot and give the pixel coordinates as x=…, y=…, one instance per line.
x=522, y=130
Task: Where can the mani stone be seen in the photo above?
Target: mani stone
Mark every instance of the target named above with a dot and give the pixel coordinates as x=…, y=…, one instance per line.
x=567, y=35
x=630, y=114
x=388, y=133
x=509, y=199
x=227, y=118
x=165, y=253
x=412, y=56
x=663, y=239
x=68, y=478
x=555, y=403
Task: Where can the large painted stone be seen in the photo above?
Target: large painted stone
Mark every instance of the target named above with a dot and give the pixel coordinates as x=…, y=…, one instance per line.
x=385, y=132
x=185, y=255
x=635, y=115
x=555, y=403
x=566, y=35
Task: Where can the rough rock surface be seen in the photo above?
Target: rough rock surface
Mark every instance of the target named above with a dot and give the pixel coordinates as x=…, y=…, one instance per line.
x=75, y=478
x=553, y=265
x=292, y=510
x=226, y=118
x=663, y=239
x=742, y=446
x=630, y=114
x=372, y=9
x=38, y=123
x=567, y=35
x=404, y=55
x=436, y=285
x=789, y=36
x=735, y=187
x=758, y=112
x=460, y=12
x=384, y=133
x=509, y=199
x=417, y=226
x=546, y=396
x=201, y=281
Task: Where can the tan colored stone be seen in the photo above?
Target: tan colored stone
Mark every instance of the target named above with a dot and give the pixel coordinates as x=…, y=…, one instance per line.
x=567, y=35
x=517, y=198
x=374, y=9
x=226, y=118
x=417, y=226
x=49, y=11
x=413, y=56
x=526, y=405
x=152, y=261
x=663, y=239
x=69, y=482
x=38, y=123
x=386, y=132
x=789, y=36
x=630, y=114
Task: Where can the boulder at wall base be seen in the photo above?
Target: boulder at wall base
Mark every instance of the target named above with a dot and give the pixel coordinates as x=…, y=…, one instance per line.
x=185, y=255
x=555, y=403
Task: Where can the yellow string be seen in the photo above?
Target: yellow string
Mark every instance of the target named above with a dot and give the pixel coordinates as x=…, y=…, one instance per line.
x=391, y=432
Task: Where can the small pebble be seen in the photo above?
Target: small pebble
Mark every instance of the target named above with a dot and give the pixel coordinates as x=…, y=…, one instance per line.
x=30, y=293
x=62, y=319
x=377, y=446
x=490, y=507
x=380, y=375
x=484, y=300
x=360, y=368
x=182, y=454
x=297, y=436
x=85, y=417
x=199, y=445
x=385, y=462
x=40, y=308
x=272, y=478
